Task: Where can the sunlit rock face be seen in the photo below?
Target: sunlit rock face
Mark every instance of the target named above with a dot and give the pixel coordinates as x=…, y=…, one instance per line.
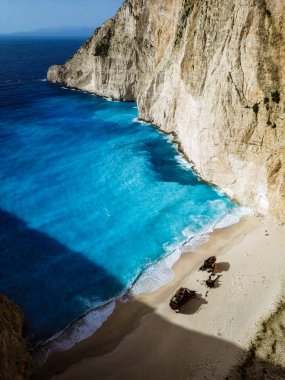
x=211, y=71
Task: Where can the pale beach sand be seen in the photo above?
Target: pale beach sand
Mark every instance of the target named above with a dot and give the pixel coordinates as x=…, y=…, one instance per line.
x=145, y=339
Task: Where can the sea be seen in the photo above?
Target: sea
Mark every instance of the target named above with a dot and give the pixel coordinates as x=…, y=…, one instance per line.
x=94, y=204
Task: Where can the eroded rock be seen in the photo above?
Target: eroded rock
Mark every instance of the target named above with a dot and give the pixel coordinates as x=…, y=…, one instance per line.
x=15, y=359
x=209, y=264
x=182, y=296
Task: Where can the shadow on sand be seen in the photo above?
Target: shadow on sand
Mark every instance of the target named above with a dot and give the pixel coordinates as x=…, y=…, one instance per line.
x=222, y=267
x=194, y=305
x=136, y=343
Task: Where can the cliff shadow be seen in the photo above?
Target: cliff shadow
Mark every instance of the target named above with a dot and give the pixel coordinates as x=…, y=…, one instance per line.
x=137, y=343
x=50, y=282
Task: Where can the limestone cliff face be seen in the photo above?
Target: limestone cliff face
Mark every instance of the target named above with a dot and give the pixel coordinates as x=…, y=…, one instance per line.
x=15, y=360
x=213, y=72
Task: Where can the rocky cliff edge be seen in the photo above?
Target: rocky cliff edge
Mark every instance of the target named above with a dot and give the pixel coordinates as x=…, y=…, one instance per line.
x=15, y=359
x=211, y=71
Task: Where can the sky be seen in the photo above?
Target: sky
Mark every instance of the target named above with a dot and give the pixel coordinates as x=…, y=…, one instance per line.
x=29, y=15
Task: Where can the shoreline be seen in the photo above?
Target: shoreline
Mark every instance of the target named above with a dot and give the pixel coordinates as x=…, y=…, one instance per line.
x=149, y=281
x=82, y=328
x=224, y=316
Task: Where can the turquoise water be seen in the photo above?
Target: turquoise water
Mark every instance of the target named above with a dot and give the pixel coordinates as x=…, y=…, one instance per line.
x=89, y=197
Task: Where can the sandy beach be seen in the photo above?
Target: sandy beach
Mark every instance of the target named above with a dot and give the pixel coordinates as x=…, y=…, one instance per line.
x=145, y=339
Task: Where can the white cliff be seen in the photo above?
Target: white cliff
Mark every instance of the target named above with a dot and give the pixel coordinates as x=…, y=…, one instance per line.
x=212, y=72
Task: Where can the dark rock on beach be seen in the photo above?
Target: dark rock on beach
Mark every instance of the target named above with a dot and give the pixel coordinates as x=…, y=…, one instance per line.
x=180, y=298
x=209, y=264
x=212, y=281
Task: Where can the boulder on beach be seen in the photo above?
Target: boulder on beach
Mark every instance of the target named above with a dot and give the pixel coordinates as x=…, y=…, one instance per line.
x=209, y=264
x=181, y=296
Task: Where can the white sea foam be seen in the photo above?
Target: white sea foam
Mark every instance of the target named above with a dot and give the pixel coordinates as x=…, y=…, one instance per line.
x=182, y=161
x=186, y=165
x=137, y=120
x=111, y=99
x=108, y=99
x=77, y=331
x=219, y=191
x=234, y=217
x=168, y=138
x=156, y=275
x=161, y=273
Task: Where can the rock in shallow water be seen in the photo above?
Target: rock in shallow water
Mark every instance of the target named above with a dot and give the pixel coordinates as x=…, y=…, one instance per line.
x=15, y=359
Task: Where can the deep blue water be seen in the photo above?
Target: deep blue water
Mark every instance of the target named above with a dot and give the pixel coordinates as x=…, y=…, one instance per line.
x=89, y=198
